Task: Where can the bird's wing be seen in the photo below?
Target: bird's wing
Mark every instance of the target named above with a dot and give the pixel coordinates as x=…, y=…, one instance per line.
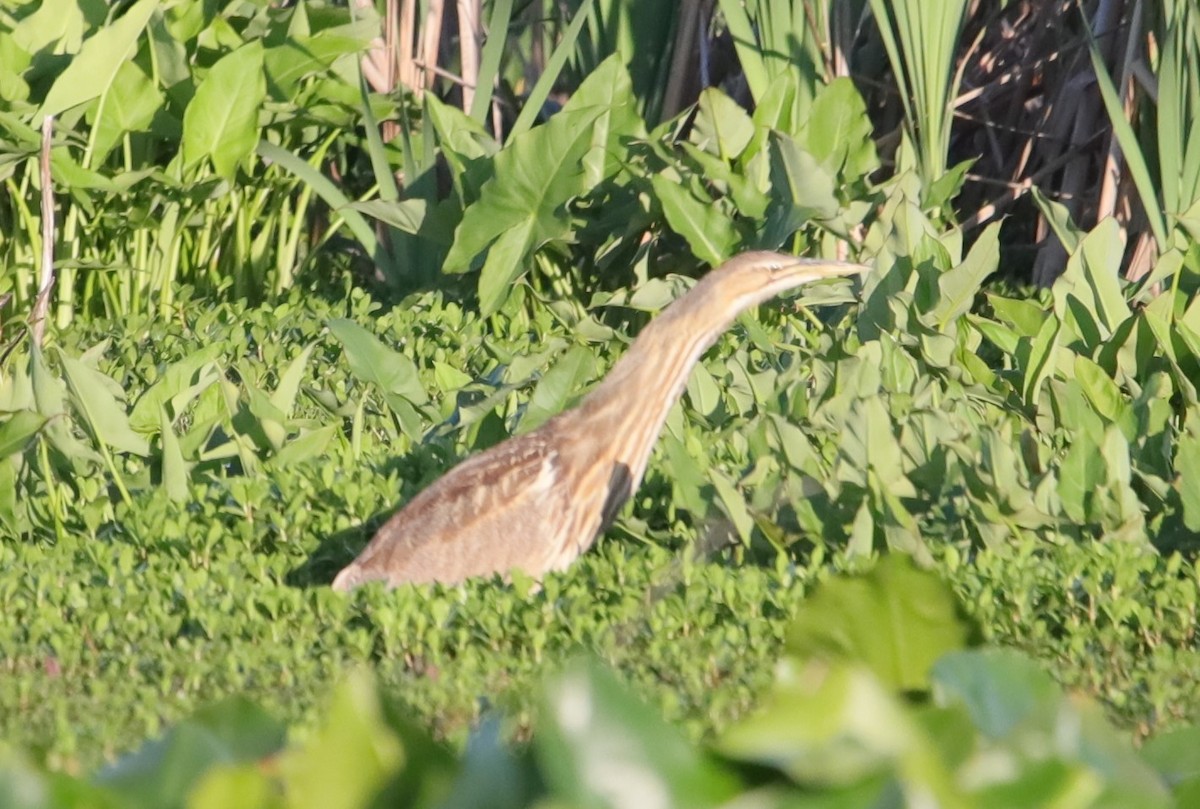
x=491, y=513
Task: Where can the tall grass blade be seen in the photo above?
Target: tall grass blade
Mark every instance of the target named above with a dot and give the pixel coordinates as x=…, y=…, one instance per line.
x=554, y=66
x=326, y=190
x=489, y=66
x=1135, y=159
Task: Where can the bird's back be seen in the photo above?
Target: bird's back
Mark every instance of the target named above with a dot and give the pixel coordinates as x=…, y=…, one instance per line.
x=512, y=506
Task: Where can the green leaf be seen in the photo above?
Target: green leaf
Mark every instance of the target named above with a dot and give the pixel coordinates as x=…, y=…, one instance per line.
x=129, y=106
x=707, y=229
x=93, y=70
x=825, y=725
x=733, y=504
x=1187, y=464
x=465, y=145
x=309, y=444
x=175, y=388
x=17, y=431
x=896, y=619
x=406, y=215
x=1103, y=392
x=221, y=121
x=1036, y=358
x=559, y=386
x=610, y=89
x=1092, y=277
x=242, y=786
x=801, y=182
x=50, y=396
x=525, y=201
x=393, y=373
x=92, y=397
x=1058, y=216
x=1000, y=688
x=174, y=468
x=284, y=397
x=503, y=266
x=1175, y=754
x=838, y=132
x=163, y=772
x=722, y=125
x=598, y=746
x=62, y=23
x=958, y=285
x=350, y=760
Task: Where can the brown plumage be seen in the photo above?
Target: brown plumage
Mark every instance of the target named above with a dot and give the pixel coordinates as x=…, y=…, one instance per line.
x=537, y=501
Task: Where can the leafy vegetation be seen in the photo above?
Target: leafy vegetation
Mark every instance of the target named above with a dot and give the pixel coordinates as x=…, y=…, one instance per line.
x=224, y=413
x=855, y=716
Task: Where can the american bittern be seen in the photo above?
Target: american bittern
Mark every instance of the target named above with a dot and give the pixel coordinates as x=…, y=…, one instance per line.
x=537, y=501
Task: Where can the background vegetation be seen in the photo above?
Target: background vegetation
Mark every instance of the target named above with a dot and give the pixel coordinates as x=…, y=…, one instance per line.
x=293, y=284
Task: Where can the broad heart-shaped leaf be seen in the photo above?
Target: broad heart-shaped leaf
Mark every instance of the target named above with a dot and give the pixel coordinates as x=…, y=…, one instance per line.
x=372, y=361
x=129, y=106
x=958, y=285
x=221, y=120
x=722, y=123
x=464, y=145
x=61, y=23
x=798, y=180
x=535, y=176
x=93, y=69
x=598, y=746
x=896, y=619
x=163, y=772
x=91, y=394
x=610, y=89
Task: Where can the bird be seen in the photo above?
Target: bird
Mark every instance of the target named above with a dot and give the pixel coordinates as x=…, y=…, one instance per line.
x=535, y=502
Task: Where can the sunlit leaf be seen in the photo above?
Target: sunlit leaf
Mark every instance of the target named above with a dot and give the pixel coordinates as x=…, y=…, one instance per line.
x=600, y=746
x=221, y=121
x=91, y=396
x=92, y=71
x=896, y=619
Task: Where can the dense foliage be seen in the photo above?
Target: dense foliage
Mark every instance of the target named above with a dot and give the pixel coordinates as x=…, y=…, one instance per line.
x=180, y=478
x=854, y=718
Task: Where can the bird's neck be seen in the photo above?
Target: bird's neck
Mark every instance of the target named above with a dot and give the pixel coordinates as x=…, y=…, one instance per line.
x=637, y=394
